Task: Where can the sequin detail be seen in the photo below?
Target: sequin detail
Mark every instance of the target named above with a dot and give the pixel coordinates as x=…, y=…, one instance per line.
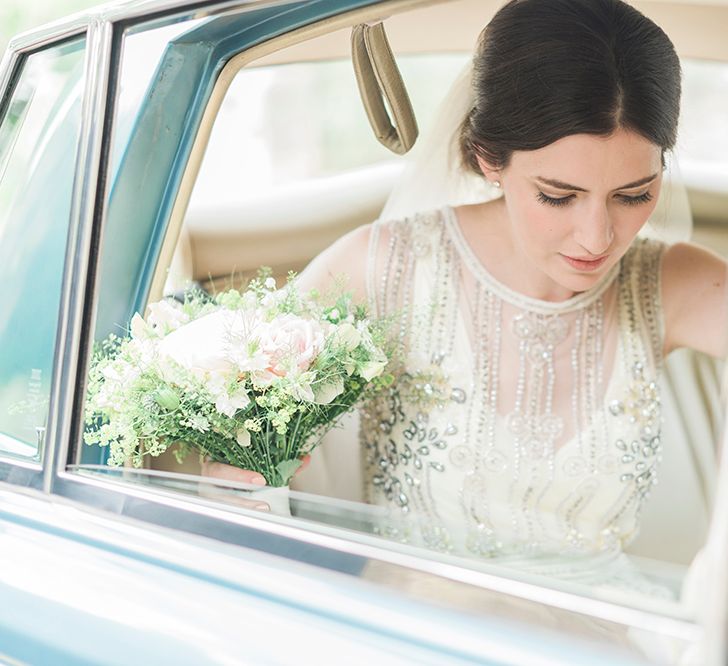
x=514, y=424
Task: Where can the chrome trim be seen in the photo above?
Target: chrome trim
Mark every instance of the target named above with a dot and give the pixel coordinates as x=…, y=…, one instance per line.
x=53, y=32
x=352, y=543
x=122, y=11
x=352, y=601
x=138, y=8
x=97, y=65
x=7, y=65
x=21, y=462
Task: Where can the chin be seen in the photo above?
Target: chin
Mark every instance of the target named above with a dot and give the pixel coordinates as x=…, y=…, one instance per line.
x=583, y=281
x=573, y=281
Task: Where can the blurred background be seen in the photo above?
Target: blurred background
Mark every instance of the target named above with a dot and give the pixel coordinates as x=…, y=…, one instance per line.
x=20, y=15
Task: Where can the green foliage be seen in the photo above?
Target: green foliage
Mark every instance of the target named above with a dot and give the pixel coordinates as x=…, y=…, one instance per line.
x=253, y=378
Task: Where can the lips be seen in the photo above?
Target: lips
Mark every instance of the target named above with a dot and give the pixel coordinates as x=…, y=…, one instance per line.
x=582, y=264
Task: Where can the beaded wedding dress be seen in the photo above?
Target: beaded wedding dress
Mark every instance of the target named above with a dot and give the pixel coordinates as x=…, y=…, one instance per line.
x=518, y=430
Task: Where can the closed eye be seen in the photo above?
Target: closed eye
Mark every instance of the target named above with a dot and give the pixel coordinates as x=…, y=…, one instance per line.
x=554, y=201
x=626, y=199
x=634, y=200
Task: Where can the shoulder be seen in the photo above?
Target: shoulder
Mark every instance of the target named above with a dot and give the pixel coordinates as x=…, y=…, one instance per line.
x=685, y=258
x=364, y=249
x=694, y=298
x=691, y=271
x=345, y=259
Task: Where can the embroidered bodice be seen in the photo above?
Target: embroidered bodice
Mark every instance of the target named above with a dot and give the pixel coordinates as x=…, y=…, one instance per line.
x=514, y=425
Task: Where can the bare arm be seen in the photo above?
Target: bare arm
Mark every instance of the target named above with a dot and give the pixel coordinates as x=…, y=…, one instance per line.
x=695, y=301
x=346, y=260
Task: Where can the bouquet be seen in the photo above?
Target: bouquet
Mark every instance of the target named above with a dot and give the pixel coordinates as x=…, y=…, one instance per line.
x=252, y=379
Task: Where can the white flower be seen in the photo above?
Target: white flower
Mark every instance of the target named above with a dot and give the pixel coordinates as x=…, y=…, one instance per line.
x=298, y=386
x=142, y=352
x=242, y=437
x=139, y=329
x=229, y=404
x=198, y=422
x=270, y=283
x=372, y=368
x=347, y=336
x=203, y=346
x=250, y=361
x=165, y=316
x=325, y=393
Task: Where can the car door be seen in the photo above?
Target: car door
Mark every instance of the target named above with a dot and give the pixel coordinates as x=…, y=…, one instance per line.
x=153, y=90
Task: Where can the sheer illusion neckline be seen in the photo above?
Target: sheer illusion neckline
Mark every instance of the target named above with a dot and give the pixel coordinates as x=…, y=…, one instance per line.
x=509, y=295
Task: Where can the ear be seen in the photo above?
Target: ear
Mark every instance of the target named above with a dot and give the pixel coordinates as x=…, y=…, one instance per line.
x=492, y=175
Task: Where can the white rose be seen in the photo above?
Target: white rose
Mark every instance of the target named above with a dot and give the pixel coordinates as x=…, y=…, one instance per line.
x=203, y=346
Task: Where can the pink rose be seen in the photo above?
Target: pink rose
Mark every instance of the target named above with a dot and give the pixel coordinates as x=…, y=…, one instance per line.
x=290, y=343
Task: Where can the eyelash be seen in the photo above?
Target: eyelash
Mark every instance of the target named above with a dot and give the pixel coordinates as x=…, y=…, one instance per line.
x=623, y=198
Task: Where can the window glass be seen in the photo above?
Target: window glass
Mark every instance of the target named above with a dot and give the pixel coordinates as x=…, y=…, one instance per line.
x=703, y=137
x=39, y=135
x=143, y=51
x=291, y=166
x=283, y=124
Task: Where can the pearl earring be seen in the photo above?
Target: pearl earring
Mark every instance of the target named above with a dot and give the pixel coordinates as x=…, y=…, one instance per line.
x=496, y=183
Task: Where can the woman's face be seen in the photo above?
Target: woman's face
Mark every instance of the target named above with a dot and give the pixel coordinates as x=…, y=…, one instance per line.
x=576, y=205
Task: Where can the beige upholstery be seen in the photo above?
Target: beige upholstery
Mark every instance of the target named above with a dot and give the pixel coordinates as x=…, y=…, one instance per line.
x=379, y=80
x=286, y=228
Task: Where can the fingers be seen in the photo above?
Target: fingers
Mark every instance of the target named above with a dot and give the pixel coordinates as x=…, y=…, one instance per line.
x=220, y=494
x=225, y=472
x=229, y=473
x=304, y=463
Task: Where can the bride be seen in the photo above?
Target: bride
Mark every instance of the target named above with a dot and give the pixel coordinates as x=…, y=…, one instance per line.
x=526, y=414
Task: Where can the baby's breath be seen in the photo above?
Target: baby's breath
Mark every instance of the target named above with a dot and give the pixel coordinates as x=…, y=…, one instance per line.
x=260, y=409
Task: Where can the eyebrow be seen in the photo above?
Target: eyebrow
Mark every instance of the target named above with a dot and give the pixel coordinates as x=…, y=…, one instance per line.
x=561, y=185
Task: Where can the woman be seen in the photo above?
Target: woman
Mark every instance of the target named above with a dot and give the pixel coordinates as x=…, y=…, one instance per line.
x=525, y=418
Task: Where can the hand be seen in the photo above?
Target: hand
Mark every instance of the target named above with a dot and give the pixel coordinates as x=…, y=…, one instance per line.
x=222, y=471
x=218, y=470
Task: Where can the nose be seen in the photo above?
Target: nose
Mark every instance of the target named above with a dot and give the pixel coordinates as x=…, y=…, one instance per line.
x=594, y=233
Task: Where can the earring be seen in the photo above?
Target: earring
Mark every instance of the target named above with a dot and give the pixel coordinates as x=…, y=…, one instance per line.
x=496, y=183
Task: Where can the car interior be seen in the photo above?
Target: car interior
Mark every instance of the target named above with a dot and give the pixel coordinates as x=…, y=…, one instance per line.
x=292, y=154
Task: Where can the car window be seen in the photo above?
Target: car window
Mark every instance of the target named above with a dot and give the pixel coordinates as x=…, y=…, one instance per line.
x=297, y=132
x=291, y=166
x=39, y=133
x=304, y=121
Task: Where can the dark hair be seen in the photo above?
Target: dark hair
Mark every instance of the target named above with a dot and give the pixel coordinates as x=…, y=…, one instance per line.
x=546, y=69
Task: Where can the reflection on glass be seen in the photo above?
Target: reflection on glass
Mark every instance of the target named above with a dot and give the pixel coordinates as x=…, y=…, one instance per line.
x=38, y=140
x=574, y=504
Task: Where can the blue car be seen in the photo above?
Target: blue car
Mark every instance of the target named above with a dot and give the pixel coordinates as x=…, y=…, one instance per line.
x=149, y=145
